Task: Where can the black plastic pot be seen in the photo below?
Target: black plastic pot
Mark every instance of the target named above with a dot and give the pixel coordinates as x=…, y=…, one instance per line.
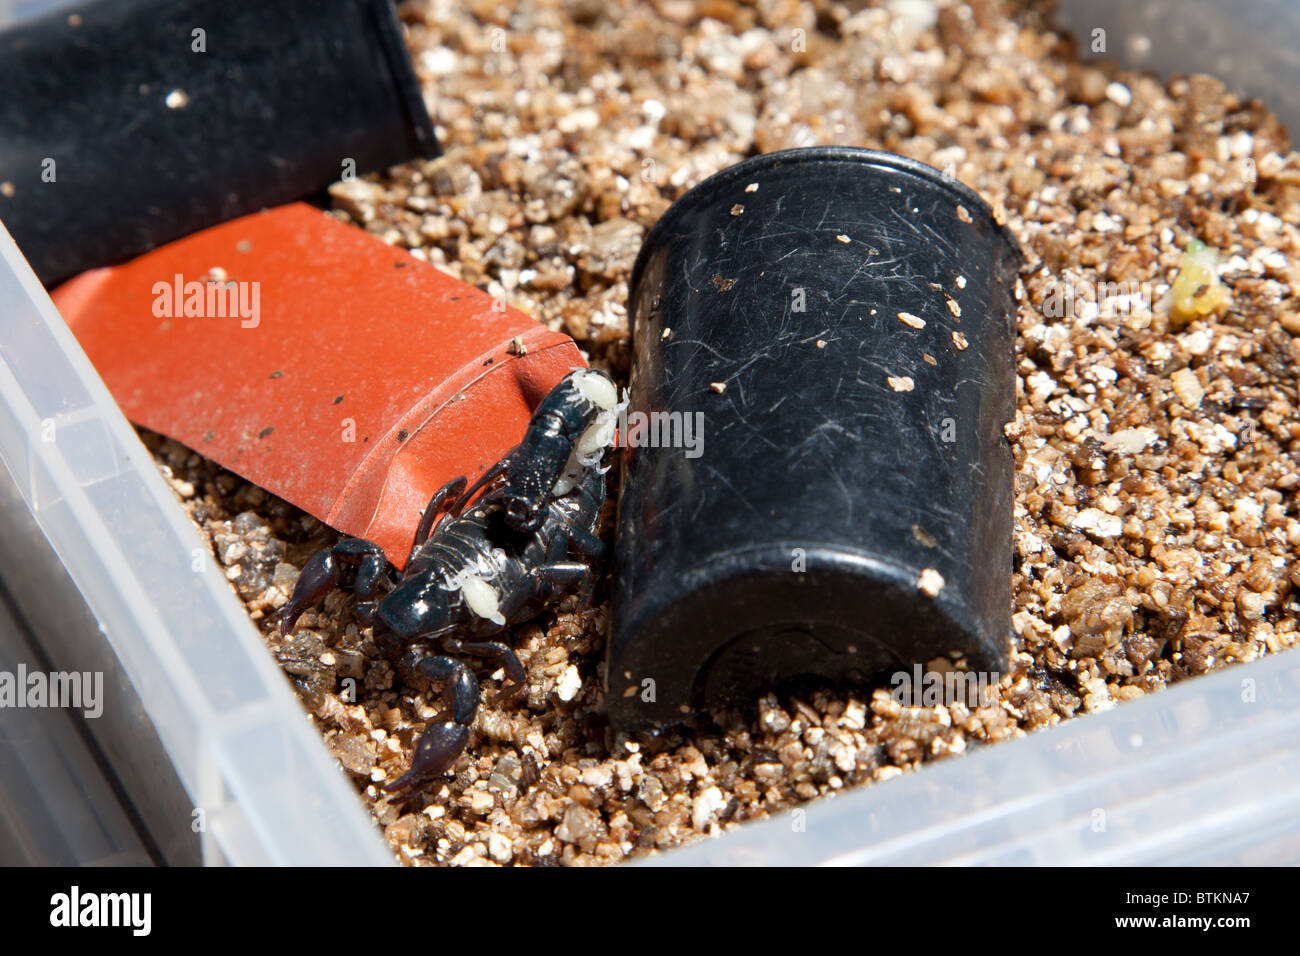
x=125, y=124
x=839, y=321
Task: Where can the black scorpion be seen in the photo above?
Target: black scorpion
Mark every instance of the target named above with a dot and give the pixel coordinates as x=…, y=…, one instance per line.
x=523, y=544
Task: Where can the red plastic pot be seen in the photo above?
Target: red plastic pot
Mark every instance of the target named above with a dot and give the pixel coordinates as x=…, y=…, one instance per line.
x=342, y=374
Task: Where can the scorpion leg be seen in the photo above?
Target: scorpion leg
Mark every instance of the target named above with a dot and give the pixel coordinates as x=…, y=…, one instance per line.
x=442, y=742
x=501, y=656
x=430, y=521
x=561, y=574
x=369, y=574
x=586, y=543
x=324, y=571
x=495, y=471
x=451, y=490
x=560, y=577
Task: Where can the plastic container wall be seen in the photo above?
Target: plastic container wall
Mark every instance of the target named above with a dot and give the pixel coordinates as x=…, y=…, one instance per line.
x=1207, y=772
x=1251, y=45
x=240, y=742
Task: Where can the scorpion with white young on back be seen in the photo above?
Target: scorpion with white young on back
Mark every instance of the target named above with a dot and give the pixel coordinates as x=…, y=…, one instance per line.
x=523, y=543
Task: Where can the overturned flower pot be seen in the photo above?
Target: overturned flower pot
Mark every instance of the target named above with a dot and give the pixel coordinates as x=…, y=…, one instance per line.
x=318, y=362
x=817, y=482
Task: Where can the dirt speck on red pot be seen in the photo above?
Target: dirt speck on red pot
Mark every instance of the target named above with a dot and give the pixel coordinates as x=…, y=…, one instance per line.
x=817, y=484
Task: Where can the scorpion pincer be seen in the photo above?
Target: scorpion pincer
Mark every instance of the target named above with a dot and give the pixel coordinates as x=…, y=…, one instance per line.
x=485, y=558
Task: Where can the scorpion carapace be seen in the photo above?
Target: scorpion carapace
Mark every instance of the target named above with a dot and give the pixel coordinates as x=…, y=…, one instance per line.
x=485, y=558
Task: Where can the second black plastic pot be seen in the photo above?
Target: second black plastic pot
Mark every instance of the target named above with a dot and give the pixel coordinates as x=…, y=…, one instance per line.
x=824, y=338
x=126, y=124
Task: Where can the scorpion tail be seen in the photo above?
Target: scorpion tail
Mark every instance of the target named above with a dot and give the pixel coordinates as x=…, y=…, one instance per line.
x=439, y=746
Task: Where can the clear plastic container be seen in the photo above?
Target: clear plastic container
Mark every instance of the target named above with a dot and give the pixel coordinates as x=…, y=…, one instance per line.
x=245, y=751
x=1205, y=772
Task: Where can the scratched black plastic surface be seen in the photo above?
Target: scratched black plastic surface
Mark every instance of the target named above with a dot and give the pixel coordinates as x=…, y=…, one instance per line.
x=281, y=96
x=792, y=546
